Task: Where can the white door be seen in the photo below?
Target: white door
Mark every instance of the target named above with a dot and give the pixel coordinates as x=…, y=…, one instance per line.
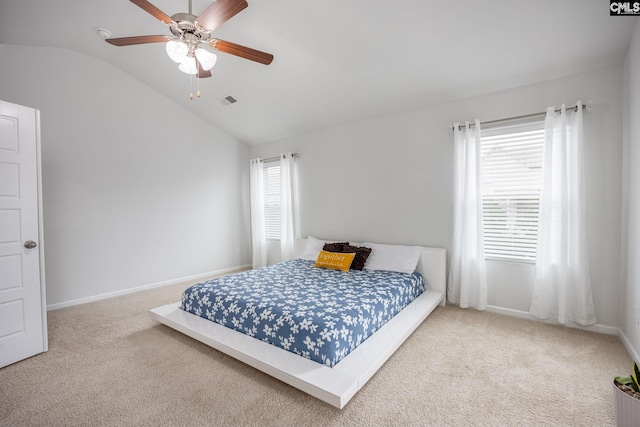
x=23, y=331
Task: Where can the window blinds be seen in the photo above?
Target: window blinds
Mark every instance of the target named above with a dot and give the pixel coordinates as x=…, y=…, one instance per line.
x=272, y=200
x=511, y=181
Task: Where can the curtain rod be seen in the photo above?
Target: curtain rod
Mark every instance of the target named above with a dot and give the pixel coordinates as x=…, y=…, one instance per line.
x=586, y=106
x=274, y=158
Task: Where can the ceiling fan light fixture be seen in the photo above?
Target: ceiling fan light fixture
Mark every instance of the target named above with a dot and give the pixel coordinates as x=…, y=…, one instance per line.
x=188, y=32
x=207, y=59
x=177, y=51
x=188, y=65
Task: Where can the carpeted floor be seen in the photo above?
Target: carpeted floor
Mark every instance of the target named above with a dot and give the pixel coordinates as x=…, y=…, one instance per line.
x=109, y=364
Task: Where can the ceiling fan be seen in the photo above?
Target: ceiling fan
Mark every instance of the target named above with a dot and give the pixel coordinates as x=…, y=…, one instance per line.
x=189, y=32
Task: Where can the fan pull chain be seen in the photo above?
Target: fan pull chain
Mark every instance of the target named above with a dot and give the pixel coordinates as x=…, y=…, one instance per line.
x=191, y=87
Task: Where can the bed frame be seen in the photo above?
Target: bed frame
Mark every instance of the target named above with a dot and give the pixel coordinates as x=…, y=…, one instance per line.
x=336, y=385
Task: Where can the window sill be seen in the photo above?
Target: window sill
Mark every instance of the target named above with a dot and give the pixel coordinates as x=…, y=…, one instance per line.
x=510, y=260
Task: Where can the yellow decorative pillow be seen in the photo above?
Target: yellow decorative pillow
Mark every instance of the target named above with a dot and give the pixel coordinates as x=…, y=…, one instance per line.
x=334, y=260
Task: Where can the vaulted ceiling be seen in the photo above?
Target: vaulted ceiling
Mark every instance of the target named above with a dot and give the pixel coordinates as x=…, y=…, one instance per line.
x=338, y=61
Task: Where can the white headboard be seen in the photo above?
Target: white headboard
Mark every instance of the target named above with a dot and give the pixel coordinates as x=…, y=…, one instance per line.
x=432, y=265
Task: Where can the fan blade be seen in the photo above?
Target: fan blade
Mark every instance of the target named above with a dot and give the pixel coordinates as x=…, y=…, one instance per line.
x=220, y=12
x=202, y=73
x=241, y=51
x=128, y=41
x=151, y=9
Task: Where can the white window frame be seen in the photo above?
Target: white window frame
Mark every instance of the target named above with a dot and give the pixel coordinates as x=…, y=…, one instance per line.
x=271, y=172
x=511, y=181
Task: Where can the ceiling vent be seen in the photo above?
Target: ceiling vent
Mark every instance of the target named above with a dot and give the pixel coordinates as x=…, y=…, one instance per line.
x=227, y=100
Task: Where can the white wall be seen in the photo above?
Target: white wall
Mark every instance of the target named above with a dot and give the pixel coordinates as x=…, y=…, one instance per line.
x=629, y=324
x=389, y=179
x=137, y=190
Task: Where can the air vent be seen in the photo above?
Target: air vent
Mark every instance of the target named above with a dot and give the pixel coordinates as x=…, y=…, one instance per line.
x=227, y=100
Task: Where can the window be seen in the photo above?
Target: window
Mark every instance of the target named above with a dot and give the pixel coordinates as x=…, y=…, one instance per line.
x=272, y=200
x=511, y=181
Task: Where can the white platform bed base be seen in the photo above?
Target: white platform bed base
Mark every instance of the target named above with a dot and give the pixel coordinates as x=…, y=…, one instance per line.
x=336, y=385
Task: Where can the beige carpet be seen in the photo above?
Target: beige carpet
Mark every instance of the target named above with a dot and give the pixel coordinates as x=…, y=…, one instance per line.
x=110, y=364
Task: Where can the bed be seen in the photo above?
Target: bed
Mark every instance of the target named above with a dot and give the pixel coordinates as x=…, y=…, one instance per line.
x=333, y=379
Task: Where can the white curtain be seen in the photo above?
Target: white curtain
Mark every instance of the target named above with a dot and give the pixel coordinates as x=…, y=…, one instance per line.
x=467, y=285
x=258, y=238
x=288, y=210
x=562, y=286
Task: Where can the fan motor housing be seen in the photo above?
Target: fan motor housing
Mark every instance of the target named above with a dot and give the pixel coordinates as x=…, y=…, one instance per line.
x=186, y=25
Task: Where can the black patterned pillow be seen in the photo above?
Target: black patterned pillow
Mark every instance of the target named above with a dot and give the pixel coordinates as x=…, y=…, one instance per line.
x=362, y=253
x=335, y=247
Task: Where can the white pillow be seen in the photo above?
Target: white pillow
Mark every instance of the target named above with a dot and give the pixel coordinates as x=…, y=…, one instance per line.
x=403, y=259
x=312, y=249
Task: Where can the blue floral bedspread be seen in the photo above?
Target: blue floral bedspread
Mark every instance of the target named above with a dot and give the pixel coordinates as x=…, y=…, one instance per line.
x=316, y=313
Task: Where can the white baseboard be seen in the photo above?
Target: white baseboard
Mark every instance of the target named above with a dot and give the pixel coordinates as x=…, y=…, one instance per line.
x=602, y=329
x=144, y=287
x=635, y=355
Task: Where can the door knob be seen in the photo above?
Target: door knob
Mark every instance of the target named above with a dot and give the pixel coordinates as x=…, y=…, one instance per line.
x=30, y=244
